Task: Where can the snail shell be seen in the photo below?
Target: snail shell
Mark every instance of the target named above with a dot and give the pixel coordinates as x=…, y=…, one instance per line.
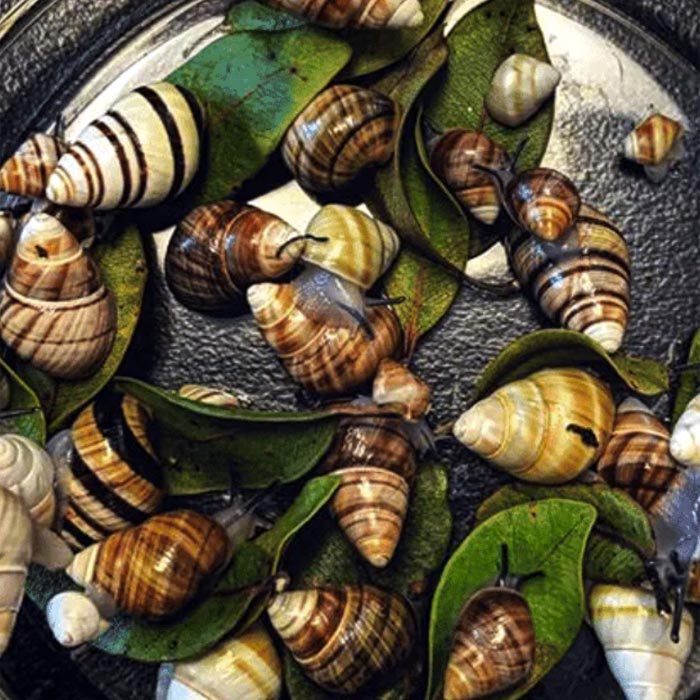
x=520, y=86
x=581, y=282
x=80, y=222
x=27, y=172
x=344, y=130
x=209, y=395
x=395, y=384
x=377, y=463
x=637, y=457
x=246, y=667
x=221, y=248
x=344, y=638
x=74, y=619
x=452, y=158
x=356, y=14
x=655, y=143
x=637, y=643
x=546, y=428
x=322, y=355
x=54, y=312
x=145, y=150
x=156, y=568
x=28, y=471
x=8, y=228
x=685, y=440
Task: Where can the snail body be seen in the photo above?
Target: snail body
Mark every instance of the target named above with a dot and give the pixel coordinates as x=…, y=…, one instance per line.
x=547, y=428
x=209, y=395
x=144, y=151
x=344, y=638
x=685, y=440
x=582, y=280
x=26, y=173
x=655, y=144
x=74, y=619
x=395, y=384
x=344, y=130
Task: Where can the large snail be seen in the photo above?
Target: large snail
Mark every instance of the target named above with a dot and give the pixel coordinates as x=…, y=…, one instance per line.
x=143, y=151
x=27, y=172
x=655, y=143
x=547, y=428
x=54, y=312
x=74, y=619
x=582, y=280
x=341, y=132
x=344, y=638
x=685, y=440
x=641, y=656
x=245, y=667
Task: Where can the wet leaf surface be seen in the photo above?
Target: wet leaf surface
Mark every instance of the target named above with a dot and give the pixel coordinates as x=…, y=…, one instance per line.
x=32, y=425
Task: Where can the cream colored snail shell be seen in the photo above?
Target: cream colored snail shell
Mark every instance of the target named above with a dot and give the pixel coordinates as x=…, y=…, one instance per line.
x=209, y=395
x=74, y=619
x=685, y=439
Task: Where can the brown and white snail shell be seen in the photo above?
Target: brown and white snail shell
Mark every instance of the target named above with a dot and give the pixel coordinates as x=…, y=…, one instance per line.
x=80, y=222
x=547, y=428
x=26, y=173
x=685, y=439
x=144, y=151
x=344, y=130
x=344, y=638
x=395, y=384
x=209, y=395
x=55, y=313
x=74, y=619
x=655, y=143
x=582, y=280
x=520, y=86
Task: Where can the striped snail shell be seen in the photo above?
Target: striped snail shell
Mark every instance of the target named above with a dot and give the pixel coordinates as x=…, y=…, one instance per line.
x=221, y=248
x=111, y=475
x=344, y=638
x=5, y=391
x=323, y=355
x=145, y=150
x=582, y=281
x=80, y=222
x=520, y=86
x=546, y=428
x=27, y=172
x=376, y=463
x=395, y=384
x=74, y=619
x=655, y=143
x=356, y=14
x=685, y=440
x=209, y=395
x=344, y=130
x=246, y=667
x=637, y=457
x=638, y=647
x=350, y=244
x=452, y=158
x=55, y=313
x=8, y=232
x=156, y=568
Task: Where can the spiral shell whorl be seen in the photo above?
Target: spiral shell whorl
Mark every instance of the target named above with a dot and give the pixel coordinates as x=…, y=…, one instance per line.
x=394, y=383
x=651, y=141
x=74, y=619
x=685, y=440
x=27, y=172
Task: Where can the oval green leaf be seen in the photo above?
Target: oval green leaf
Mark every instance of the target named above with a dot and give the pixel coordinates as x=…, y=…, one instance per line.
x=22, y=397
x=549, y=536
x=689, y=384
x=251, y=16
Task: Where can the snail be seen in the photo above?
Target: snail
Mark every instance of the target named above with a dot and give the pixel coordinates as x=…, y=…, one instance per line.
x=344, y=130
x=452, y=157
x=656, y=143
x=321, y=351
x=395, y=384
x=74, y=619
x=108, y=470
x=26, y=173
x=221, y=248
x=54, y=312
x=80, y=222
x=685, y=439
x=356, y=14
x=646, y=664
x=209, y=395
x=344, y=638
x=245, y=667
x=143, y=151
x=582, y=280
x=520, y=86
x=493, y=648
x=546, y=428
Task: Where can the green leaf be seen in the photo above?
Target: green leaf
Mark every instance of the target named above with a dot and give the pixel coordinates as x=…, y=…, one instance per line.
x=251, y=16
x=253, y=85
x=32, y=425
x=689, y=384
x=549, y=536
x=620, y=520
x=562, y=348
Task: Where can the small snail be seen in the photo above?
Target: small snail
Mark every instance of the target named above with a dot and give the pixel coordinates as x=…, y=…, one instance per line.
x=547, y=428
x=646, y=664
x=344, y=638
x=209, y=395
x=685, y=440
x=54, y=312
x=108, y=469
x=145, y=150
x=656, y=143
x=494, y=642
x=26, y=173
x=520, y=86
x=246, y=667
x=356, y=14
x=395, y=384
x=74, y=619
x=221, y=248
x=344, y=130
x=582, y=280
x=452, y=157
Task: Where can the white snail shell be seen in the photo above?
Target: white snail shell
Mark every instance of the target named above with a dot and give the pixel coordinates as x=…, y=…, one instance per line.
x=685, y=439
x=74, y=619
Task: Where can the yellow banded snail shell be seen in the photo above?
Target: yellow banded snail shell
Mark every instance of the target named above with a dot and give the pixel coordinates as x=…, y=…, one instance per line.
x=209, y=395
x=395, y=384
x=143, y=151
x=341, y=132
x=55, y=313
x=344, y=638
x=26, y=173
x=685, y=439
x=547, y=428
x=655, y=143
x=74, y=619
